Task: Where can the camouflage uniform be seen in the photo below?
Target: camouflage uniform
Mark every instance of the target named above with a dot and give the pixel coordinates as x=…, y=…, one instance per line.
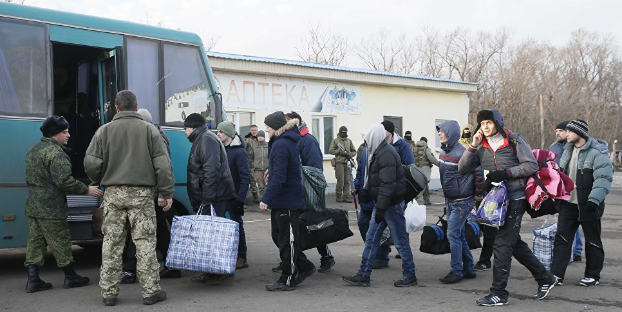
x=424, y=160
x=48, y=175
x=133, y=203
x=341, y=167
x=251, y=142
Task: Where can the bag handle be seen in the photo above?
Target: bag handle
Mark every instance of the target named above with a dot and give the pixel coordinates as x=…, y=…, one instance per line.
x=200, y=211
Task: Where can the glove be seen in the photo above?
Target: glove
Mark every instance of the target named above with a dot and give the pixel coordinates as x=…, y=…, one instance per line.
x=487, y=186
x=591, y=206
x=379, y=215
x=498, y=175
x=238, y=209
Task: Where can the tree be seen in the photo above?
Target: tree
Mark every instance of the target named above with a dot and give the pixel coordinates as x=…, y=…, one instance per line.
x=323, y=46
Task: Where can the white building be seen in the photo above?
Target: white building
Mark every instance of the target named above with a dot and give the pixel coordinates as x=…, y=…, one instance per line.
x=328, y=97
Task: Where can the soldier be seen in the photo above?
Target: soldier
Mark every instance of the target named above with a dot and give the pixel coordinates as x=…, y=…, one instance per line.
x=48, y=175
x=129, y=158
x=424, y=158
x=344, y=150
x=251, y=140
x=259, y=157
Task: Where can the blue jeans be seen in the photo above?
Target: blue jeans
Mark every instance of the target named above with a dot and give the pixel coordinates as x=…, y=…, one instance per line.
x=578, y=243
x=457, y=213
x=394, y=219
x=363, y=223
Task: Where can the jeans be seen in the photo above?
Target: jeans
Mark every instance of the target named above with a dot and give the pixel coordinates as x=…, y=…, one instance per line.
x=457, y=213
x=567, y=224
x=508, y=243
x=578, y=243
x=394, y=219
x=364, y=218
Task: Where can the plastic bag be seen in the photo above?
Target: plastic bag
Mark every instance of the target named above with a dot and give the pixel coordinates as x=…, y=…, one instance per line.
x=494, y=206
x=415, y=217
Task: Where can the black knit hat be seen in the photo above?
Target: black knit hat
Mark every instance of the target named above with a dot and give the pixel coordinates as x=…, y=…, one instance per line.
x=424, y=139
x=194, y=120
x=53, y=125
x=579, y=127
x=275, y=120
x=562, y=125
x=388, y=125
x=294, y=115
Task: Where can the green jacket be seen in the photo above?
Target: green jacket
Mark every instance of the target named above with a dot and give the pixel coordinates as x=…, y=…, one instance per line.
x=423, y=155
x=342, y=148
x=48, y=175
x=128, y=151
x=259, y=156
x=251, y=142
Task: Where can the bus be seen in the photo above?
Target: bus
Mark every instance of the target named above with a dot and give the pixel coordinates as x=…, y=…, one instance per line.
x=59, y=63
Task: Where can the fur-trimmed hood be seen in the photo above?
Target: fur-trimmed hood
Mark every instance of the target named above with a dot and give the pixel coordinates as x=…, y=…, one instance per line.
x=289, y=125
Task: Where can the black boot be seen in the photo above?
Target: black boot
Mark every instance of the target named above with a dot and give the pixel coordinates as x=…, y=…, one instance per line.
x=34, y=283
x=72, y=279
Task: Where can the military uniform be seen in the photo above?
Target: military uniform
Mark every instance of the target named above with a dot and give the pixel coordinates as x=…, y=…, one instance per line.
x=48, y=175
x=424, y=160
x=251, y=142
x=344, y=150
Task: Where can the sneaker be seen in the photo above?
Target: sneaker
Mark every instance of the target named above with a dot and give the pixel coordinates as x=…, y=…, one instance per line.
x=201, y=278
x=588, y=281
x=379, y=266
x=279, y=286
x=398, y=256
x=159, y=297
x=406, y=282
x=109, y=302
x=576, y=258
x=241, y=264
x=451, y=278
x=278, y=269
x=469, y=275
x=482, y=267
x=560, y=281
x=302, y=275
x=168, y=273
x=544, y=289
x=325, y=264
x=128, y=278
x=492, y=300
x=357, y=280
x=218, y=278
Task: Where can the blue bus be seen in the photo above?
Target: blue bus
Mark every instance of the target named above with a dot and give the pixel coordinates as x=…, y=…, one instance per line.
x=59, y=63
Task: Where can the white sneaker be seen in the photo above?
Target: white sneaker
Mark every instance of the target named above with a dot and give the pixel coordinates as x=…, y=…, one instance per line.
x=588, y=281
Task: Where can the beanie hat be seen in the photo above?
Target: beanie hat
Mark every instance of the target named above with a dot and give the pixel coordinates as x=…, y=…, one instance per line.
x=562, y=125
x=293, y=115
x=262, y=134
x=53, y=125
x=388, y=125
x=227, y=127
x=579, y=127
x=424, y=139
x=275, y=120
x=408, y=132
x=194, y=120
x=343, y=129
x=145, y=114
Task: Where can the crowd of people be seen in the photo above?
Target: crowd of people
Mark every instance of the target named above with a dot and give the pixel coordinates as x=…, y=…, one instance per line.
x=136, y=172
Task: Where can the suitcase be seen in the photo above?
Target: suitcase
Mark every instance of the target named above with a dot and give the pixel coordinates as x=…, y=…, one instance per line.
x=434, y=238
x=318, y=228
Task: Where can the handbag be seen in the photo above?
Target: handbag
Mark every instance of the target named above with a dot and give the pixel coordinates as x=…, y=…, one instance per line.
x=434, y=238
x=203, y=243
x=494, y=206
x=318, y=228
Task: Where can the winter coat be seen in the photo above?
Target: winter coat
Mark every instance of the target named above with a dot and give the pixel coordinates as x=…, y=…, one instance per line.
x=360, y=180
x=456, y=185
x=238, y=166
x=343, y=153
x=310, y=152
x=49, y=180
x=558, y=149
x=284, y=189
x=403, y=150
x=259, y=155
x=466, y=141
x=594, y=176
x=209, y=177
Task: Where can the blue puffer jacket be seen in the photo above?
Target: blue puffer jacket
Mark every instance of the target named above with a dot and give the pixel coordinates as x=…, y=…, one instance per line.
x=456, y=185
x=404, y=150
x=558, y=149
x=238, y=165
x=310, y=153
x=360, y=179
x=594, y=176
x=284, y=189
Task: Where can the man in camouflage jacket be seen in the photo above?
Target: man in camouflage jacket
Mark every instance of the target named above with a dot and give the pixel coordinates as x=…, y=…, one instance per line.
x=48, y=175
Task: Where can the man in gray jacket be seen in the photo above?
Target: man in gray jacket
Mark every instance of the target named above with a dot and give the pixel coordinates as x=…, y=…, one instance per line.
x=585, y=160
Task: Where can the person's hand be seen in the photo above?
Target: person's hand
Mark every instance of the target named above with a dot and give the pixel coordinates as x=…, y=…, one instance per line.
x=263, y=206
x=379, y=215
x=487, y=186
x=477, y=138
x=265, y=175
x=168, y=205
x=591, y=206
x=498, y=175
x=95, y=191
x=353, y=192
x=161, y=202
x=238, y=208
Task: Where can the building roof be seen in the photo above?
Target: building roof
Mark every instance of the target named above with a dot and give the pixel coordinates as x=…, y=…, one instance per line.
x=300, y=69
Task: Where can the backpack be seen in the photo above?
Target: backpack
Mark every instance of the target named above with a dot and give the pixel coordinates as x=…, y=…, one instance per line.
x=416, y=182
x=421, y=158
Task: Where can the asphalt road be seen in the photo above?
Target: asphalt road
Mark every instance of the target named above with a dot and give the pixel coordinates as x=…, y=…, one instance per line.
x=327, y=292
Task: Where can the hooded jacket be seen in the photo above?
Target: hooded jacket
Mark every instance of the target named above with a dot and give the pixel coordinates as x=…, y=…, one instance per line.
x=284, y=189
x=238, y=166
x=209, y=177
x=456, y=185
x=466, y=141
x=386, y=181
x=361, y=173
x=594, y=176
x=310, y=153
x=403, y=150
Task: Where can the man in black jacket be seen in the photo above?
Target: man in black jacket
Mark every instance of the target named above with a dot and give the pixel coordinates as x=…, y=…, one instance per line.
x=209, y=178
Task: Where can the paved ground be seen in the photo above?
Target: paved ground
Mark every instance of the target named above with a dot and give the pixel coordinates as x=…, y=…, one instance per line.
x=326, y=292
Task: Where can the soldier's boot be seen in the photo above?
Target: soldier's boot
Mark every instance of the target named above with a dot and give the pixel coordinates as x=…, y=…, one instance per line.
x=72, y=279
x=255, y=197
x=34, y=283
x=339, y=200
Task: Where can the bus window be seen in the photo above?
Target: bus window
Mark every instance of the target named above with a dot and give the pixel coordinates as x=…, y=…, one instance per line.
x=143, y=76
x=23, y=69
x=185, y=84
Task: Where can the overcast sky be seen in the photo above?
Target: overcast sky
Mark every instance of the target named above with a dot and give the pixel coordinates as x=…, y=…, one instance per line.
x=273, y=28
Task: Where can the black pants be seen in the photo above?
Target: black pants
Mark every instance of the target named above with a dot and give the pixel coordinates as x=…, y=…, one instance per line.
x=508, y=243
x=285, y=222
x=489, y=233
x=163, y=240
x=567, y=224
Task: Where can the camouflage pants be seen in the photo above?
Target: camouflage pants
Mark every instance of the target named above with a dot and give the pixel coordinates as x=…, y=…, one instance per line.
x=343, y=180
x=133, y=203
x=253, y=184
x=48, y=232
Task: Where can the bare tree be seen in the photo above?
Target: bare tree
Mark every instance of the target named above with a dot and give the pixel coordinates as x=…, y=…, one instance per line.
x=381, y=51
x=209, y=39
x=323, y=46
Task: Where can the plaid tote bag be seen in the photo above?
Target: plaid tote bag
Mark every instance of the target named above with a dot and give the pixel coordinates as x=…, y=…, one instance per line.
x=203, y=243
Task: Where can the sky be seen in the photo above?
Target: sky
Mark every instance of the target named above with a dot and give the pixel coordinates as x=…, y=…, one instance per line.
x=273, y=28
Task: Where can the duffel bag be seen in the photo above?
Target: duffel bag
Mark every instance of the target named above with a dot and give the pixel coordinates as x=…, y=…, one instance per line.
x=434, y=238
x=318, y=228
x=472, y=233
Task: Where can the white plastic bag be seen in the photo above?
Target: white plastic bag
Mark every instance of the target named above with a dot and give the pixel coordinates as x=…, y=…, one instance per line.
x=415, y=217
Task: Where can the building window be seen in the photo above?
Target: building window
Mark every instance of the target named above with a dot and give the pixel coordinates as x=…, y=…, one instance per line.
x=323, y=129
x=242, y=121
